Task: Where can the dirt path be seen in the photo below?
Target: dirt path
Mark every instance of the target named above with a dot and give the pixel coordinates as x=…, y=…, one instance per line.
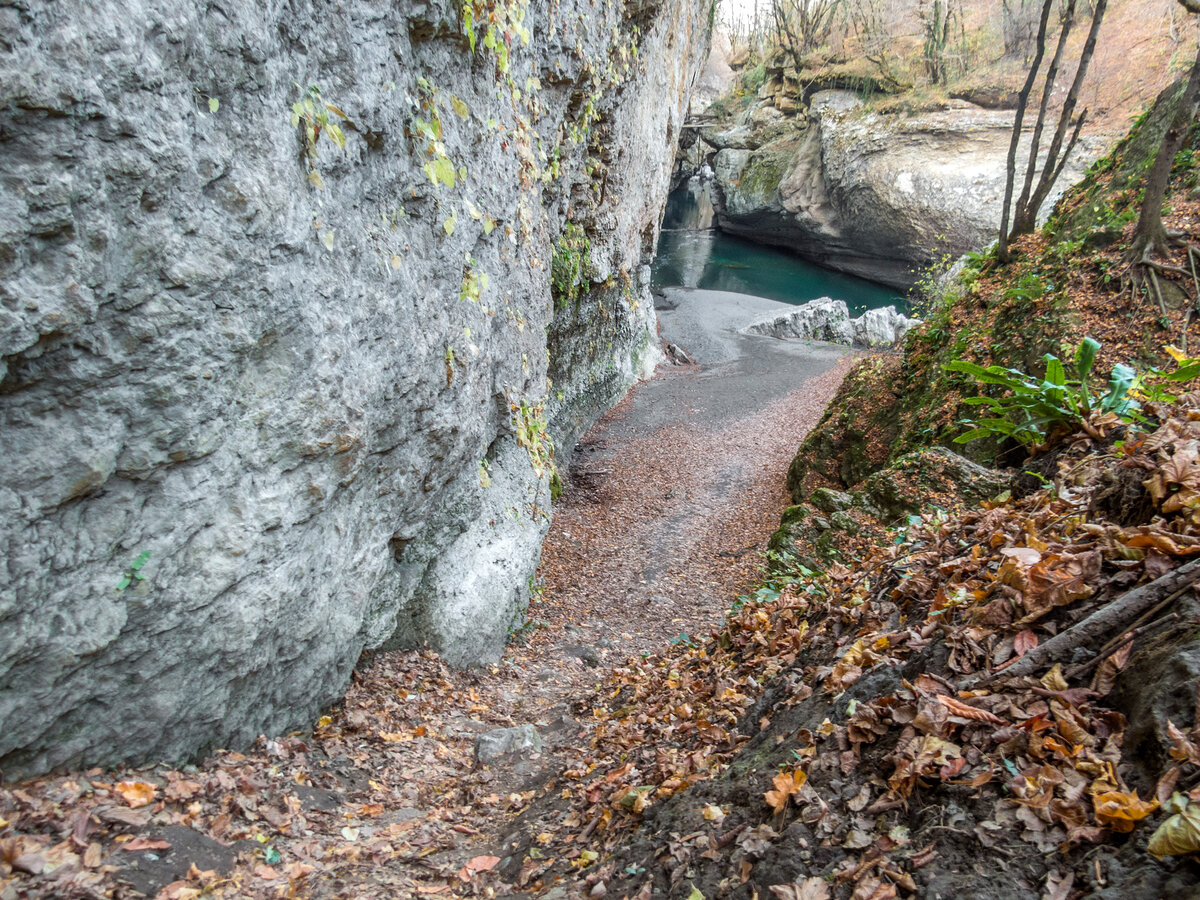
x=670, y=500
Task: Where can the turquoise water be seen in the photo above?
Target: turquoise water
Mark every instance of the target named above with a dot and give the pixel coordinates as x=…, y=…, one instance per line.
x=692, y=253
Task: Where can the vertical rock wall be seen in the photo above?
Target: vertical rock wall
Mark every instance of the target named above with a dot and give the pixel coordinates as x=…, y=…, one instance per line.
x=265, y=401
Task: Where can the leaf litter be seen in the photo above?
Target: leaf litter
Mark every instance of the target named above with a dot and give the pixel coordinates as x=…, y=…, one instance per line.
x=384, y=797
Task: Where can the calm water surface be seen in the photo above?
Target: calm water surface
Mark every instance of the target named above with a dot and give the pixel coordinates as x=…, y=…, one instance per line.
x=693, y=253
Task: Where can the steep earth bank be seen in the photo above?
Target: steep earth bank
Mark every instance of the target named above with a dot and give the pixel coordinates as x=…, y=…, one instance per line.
x=266, y=400
x=876, y=195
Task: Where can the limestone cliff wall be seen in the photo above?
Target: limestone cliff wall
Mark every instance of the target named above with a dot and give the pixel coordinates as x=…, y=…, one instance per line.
x=267, y=401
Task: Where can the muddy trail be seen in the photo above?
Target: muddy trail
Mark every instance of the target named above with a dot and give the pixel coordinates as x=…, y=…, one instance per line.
x=408, y=787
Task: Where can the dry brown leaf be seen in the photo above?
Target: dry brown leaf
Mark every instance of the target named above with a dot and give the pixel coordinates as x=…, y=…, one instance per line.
x=145, y=844
x=477, y=865
x=1180, y=833
x=1054, y=680
x=136, y=793
x=808, y=889
x=962, y=710
x=785, y=786
x=1120, y=811
x=1023, y=642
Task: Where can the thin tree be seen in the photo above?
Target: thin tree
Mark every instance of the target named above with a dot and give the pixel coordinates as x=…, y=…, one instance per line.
x=1002, y=250
x=1024, y=216
x=802, y=26
x=937, y=20
x=1150, y=235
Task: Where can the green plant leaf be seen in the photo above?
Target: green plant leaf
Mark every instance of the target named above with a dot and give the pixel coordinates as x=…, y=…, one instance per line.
x=1085, y=357
x=214, y=104
x=459, y=107
x=1185, y=372
x=449, y=224
x=468, y=11
x=973, y=434
x=1055, y=373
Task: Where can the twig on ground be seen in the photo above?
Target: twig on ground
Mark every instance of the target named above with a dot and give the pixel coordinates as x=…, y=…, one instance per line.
x=1109, y=618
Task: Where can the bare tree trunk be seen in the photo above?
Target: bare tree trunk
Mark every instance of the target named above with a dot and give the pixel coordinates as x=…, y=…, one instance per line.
x=1151, y=236
x=1035, y=144
x=1002, y=250
x=1025, y=219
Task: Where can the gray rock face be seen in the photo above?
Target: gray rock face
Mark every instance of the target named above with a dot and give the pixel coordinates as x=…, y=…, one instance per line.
x=826, y=319
x=877, y=196
x=287, y=370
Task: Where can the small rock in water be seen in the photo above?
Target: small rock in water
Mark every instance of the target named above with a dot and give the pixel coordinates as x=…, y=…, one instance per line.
x=522, y=739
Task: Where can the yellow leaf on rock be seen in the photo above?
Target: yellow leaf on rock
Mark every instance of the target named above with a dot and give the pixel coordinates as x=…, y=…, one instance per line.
x=324, y=721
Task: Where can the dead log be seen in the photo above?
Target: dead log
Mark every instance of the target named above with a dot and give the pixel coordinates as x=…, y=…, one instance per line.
x=1115, y=616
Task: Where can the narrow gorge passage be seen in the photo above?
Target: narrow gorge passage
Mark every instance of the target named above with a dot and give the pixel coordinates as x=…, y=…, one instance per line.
x=670, y=501
x=672, y=497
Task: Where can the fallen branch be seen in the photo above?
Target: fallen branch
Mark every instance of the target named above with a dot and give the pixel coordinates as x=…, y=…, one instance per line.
x=1116, y=616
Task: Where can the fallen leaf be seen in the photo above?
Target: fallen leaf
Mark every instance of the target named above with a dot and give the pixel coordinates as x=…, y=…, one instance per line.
x=178, y=890
x=968, y=712
x=785, y=786
x=477, y=865
x=1180, y=833
x=1054, y=680
x=145, y=844
x=121, y=815
x=1119, y=810
x=808, y=889
x=136, y=793
x=1024, y=642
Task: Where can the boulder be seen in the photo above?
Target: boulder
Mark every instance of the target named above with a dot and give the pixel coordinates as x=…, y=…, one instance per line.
x=494, y=745
x=260, y=393
x=814, y=533
x=826, y=319
x=1160, y=685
